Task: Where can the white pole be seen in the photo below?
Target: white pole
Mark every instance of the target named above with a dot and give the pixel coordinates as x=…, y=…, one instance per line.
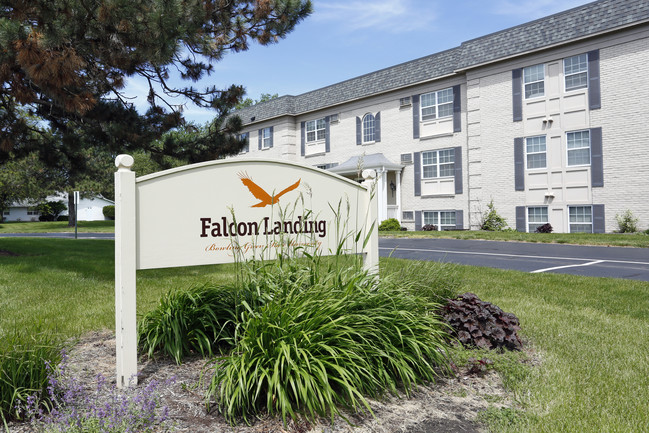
x=371, y=250
x=125, y=284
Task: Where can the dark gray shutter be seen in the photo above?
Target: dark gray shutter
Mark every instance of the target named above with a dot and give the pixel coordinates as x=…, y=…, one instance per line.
x=359, y=131
x=415, y=116
x=457, y=109
x=596, y=158
x=261, y=132
x=459, y=219
x=271, y=137
x=458, y=170
x=520, y=219
x=599, y=223
x=519, y=164
x=417, y=220
x=303, y=140
x=417, y=165
x=377, y=127
x=517, y=94
x=327, y=140
x=594, y=93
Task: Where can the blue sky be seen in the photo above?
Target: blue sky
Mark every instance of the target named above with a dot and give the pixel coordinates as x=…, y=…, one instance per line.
x=343, y=39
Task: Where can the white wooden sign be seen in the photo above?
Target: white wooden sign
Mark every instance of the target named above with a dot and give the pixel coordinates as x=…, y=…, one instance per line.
x=222, y=211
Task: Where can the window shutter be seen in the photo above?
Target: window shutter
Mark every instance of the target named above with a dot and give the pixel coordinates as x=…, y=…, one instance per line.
x=327, y=140
x=417, y=165
x=271, y=137
x=417, y=220
x=596, y=158
x=517, y=94
x=415, y=116
x=303, y=140
x=457, y=109
x=260, y=134
x=594, y=93
x=458, y=170
x=519, y=164
x=599, y=223
x=520, y=219
x=377, y=127
x=359, y=132
x=459, y=219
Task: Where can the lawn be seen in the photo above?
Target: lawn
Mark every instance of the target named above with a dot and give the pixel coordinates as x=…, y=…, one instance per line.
x=57, y=227
x=591, y=335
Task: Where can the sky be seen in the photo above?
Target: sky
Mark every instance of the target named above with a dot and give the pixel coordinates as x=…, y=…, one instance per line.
x=343, y=39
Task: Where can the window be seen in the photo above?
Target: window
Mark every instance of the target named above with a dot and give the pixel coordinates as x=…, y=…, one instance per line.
x=578, y=144
x=581, y=219
x=536, y=156
x=315, y=130
x=408, y=215
x=436, y=105
x=438, y=163
x=368, y=128
x=444, y=220
x=575, y=72
x=246, y=146
x=32, y=212
x=533, y=77
x=405, y=102
x=266, y=138
x=7, y=212
x=536, y=216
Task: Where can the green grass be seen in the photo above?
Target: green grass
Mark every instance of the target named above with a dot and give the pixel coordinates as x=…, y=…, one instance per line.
x=591, y=334
x=640, y=240
x=57, y=227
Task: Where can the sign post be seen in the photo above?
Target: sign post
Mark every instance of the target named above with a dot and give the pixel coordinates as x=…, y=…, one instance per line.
x=76, y=212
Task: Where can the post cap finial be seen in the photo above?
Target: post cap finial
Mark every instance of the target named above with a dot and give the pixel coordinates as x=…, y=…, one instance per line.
x=124, y=162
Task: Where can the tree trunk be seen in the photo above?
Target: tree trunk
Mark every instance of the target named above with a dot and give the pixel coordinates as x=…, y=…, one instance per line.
x=71, y=209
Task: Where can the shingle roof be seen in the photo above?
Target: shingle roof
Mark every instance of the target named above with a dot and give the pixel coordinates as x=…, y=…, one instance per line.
x=577, y=23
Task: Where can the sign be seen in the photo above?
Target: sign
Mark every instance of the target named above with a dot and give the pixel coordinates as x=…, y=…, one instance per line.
x=221, y=211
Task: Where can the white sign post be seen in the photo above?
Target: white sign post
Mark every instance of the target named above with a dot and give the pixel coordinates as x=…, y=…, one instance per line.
x=222, y=211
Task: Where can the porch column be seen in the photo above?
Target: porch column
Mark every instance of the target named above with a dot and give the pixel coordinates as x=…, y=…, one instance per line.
x=397, y=175
x=383, y=195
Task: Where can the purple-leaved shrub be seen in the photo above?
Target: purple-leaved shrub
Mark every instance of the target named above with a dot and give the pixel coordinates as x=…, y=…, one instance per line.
x=75, y=409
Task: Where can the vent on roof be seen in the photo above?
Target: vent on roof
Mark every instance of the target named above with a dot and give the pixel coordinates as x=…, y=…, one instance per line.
x=408, y=215
x=406, y=158
x=404, y=102
x=334, y=118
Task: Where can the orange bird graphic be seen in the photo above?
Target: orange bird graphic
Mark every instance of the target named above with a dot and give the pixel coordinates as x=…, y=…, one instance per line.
x=262, y=195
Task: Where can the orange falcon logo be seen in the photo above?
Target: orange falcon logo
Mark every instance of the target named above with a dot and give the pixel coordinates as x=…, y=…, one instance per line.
x=262, y=195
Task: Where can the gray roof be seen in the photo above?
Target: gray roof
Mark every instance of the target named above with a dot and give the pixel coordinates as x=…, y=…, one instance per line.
x=374, y=161
x=584, y=21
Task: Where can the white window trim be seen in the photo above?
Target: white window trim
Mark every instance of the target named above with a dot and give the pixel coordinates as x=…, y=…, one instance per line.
x=439, y=217
x=527, y=217
x=570, y=223
x=363, y=140
x=266, y=140
x=315, y=130
x=438, y=164
x=565, y=75
x=536, y=153
x=436, y=104
x=533, y=82
x=589, y=147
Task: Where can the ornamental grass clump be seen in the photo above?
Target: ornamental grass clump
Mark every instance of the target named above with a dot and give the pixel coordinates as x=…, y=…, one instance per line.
x=325, y=339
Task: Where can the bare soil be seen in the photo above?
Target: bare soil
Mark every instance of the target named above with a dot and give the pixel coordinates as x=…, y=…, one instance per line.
x=450, y=405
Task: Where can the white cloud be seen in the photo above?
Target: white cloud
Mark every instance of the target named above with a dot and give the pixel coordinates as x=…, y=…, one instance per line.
x=392, y=16
x=533, y=9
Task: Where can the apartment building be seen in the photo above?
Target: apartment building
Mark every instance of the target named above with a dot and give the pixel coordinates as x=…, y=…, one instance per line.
x=547, y=119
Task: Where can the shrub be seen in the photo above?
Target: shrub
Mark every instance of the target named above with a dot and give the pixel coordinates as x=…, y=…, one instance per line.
x=491, y=220
x=482, y=324
x=62, y=218
x=23, y=371
x=429, y=228
x=109, y=212
x=545, y=228
x=325, y=338
x=390, y=225
x=50, y=210
x=627, y=222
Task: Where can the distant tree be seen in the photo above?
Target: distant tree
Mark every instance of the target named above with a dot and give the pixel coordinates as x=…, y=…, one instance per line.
x=249, y=102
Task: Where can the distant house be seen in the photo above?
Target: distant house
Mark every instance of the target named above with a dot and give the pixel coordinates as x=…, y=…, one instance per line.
x=89, y=209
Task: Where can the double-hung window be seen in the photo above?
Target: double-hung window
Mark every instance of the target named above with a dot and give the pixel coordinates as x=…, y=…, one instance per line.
x=266, y=138
x=536, y=152
x=438, y=163
x=581, y=219
x=444, y=220
x=536, y=217
x=315, y=130
x=436, y=105
x=578, y=144
x=368, y=128
x=575, y=72
x=534, y=79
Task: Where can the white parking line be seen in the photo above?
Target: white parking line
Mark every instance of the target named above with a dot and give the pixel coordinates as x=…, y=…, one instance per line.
x=567, y=266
